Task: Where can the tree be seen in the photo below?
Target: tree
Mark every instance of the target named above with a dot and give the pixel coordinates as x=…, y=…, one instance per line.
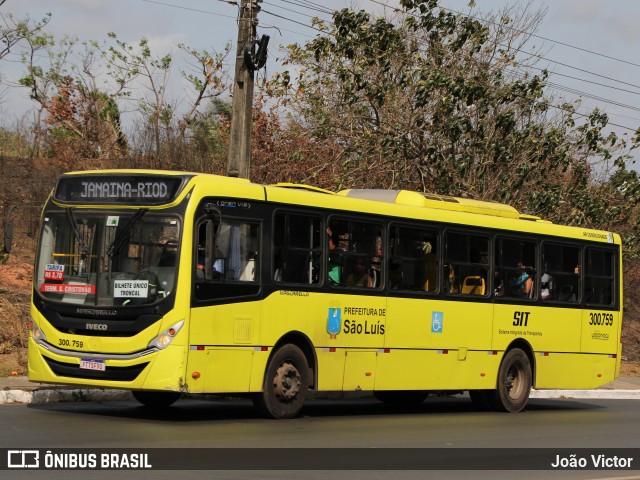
x=13, y=30
x=82, y=120
x=431, y=100
x=78, y=104
x=138, y=64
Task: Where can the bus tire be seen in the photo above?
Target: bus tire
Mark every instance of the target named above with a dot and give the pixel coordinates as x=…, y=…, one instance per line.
x=154, y=400
x=286, y=384
x=401, y=397
x=514, y=382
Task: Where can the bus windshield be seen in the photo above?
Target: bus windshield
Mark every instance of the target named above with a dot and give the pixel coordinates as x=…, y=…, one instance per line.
x=107, y=258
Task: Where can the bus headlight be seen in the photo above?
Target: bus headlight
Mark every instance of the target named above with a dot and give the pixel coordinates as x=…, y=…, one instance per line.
x=37, y=334
x=164, y=339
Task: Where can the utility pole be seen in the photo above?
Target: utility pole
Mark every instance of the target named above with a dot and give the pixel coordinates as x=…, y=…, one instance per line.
x=242, y=107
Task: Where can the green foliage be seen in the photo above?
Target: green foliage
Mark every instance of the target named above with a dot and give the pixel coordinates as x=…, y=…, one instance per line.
x=430, y=101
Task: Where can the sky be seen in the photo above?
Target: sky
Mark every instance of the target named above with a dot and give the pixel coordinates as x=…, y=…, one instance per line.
x=589, y=46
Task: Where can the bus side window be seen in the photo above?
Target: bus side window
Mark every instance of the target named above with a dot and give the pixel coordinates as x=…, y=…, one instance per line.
x=414, y=259
x=354, y=254
x=599, y=277
x=515, y=272
x=297, y=248
x=466, y=267
x=231, y=257
x=560, y=280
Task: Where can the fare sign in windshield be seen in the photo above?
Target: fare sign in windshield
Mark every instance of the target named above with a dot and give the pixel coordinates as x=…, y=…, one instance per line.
x=136, y=189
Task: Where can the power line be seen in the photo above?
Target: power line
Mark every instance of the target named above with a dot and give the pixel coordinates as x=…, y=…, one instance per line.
x=513, y=29
x=564, y=88
x=575, y=47
x=318, y=8
x=288, y=9
x=588, y=116
x=582, y=80
x=292, y=21
x=195, y=9
x=572, y=67
x=553, y=61
x=310, y=6
x=524, y=51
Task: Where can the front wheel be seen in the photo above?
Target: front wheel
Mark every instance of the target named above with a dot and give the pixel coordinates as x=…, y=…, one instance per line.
x=514, y=382
x=286, y=384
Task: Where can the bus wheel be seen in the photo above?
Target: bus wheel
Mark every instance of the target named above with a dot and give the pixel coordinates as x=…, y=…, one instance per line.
x=286, y=384
x=401, y=397
x=156, y=399
x=514, y=382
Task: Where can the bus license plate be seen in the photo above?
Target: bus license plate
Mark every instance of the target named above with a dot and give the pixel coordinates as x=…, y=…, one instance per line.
x=90, y=364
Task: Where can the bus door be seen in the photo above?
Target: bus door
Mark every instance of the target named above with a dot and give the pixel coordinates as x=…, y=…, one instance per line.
x=225, y=314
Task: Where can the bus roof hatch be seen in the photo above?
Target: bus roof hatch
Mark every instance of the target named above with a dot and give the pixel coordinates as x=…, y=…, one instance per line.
x=430, y=200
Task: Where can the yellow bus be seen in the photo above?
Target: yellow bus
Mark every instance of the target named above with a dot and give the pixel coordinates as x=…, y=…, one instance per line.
x=169, y=283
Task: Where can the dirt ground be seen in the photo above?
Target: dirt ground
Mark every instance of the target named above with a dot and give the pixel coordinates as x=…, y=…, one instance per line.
x=15, y=285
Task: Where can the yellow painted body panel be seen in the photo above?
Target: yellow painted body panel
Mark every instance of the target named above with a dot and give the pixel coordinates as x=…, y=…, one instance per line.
x=571, y=371
x=359, y=370
x=436, y=324
x=220, y=370
x=425, y=345
x=436, y=370
x=544, y=328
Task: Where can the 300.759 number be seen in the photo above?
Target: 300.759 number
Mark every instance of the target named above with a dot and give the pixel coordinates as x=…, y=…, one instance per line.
x=63, y=342
x=601, y=319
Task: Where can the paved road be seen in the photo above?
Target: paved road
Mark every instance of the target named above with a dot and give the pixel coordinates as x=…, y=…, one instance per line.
x=440, y=423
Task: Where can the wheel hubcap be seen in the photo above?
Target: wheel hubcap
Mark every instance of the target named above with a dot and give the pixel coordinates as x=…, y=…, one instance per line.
x=287, y=382
x=513, y=382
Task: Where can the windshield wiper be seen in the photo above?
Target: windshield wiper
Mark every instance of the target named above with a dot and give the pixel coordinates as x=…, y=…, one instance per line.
x=121, y=236
x=84, y=249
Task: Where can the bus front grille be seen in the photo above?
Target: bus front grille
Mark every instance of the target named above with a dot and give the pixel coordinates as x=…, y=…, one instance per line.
x=118, y=374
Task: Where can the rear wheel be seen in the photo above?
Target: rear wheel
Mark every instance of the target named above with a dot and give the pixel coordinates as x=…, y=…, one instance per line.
x=514, y=382
x=286, y=384
x=153, y=399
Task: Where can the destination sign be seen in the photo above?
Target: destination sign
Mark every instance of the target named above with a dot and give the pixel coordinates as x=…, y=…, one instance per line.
x=136, y=189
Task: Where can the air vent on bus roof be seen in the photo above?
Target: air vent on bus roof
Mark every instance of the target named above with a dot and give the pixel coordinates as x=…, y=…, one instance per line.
x=533, y=218
x=430, y=200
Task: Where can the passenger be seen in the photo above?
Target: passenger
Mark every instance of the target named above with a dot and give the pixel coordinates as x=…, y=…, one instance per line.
x=546, y=286
x=218, y=269
x=360, y=276
x=333, y=265
x=498, y=285
x=524, y=282
x=200, y=275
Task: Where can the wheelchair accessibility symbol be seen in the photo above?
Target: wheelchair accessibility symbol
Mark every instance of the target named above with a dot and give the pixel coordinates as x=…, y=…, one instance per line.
x=437, y=320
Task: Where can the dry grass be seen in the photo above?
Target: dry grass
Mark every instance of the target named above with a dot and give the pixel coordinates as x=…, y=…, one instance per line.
x=14, y=315
x=14, y=333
